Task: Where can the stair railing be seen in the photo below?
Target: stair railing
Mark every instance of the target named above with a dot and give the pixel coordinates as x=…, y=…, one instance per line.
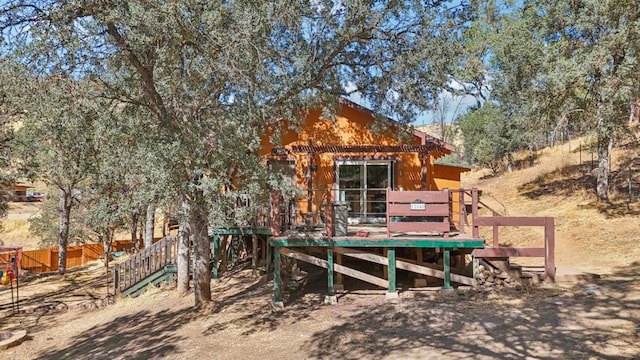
x=145, y=263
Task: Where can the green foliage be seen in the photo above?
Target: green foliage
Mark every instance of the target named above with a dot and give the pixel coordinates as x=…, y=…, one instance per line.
x=191, y=88
x=490, y=135
x=12, y=77
x=205, y=80
x=55, y=142
x=46, y=225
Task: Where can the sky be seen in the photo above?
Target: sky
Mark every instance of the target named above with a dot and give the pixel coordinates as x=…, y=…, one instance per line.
x=455, y=105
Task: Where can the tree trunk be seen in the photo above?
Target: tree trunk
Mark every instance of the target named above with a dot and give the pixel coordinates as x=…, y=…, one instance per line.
x=134, y=230
x=605, y=143
x=634, y=113
x=107, y=239
x=64, y=210
x=183, y=251
x=198, y=231
x=149, y=226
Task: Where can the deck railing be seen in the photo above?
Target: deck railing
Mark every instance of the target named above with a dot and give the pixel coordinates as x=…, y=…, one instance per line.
x=145, y=263
x=496, y=251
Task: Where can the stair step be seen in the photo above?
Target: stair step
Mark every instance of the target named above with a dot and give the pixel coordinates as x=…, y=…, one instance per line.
x=155, y=278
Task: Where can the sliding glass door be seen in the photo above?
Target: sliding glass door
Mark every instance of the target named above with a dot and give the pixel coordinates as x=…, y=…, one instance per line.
x=363, y=184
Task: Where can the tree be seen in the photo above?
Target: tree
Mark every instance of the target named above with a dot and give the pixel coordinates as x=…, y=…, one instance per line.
x=12, y=77
x=575, y=58
x=490, y=135
x=55, y=143
x=214, y=75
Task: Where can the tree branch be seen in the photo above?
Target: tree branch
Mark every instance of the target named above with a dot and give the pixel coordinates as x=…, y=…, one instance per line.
x=147, y=75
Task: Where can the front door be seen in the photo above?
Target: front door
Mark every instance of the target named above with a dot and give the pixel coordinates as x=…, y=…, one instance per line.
x=363, y=185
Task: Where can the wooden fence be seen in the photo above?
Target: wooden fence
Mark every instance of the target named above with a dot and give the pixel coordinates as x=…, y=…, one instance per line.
x=44, y=260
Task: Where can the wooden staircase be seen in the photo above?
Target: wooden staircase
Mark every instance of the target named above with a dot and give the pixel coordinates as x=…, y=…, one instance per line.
x=152, y=265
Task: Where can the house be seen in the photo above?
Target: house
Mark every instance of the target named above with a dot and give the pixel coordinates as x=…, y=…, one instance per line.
x=391, y=177
x=357, y=163
x=19, y=191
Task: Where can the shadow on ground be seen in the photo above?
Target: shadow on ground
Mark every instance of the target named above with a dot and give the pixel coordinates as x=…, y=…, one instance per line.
x=594, y=320
x=581, y=178
x=600, y=319
x=139, y=335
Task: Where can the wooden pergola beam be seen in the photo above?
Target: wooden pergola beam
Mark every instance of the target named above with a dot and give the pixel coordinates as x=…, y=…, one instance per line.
x=407, y=148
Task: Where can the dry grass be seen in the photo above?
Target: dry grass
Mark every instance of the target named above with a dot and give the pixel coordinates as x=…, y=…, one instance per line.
x=15, y=232
x=591, y=235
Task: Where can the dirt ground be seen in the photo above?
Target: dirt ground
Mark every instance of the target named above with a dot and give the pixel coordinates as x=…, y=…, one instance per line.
x=596, y=319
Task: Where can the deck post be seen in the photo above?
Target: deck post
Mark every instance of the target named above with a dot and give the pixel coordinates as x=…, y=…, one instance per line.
x=461, y=211
x=385, y=269
x=339, y=285
x=392, y=292
x=254, y=255
x=276, y=220
x=329, y=211
x=216, y=245
x=330, y=290
x=474, y=213
x=277, y=280
x=447, y=268
x=267, y=261
x=331, y=298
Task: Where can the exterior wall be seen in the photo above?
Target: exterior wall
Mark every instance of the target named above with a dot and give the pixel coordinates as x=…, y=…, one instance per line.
x=352, y=127
x=19, y=192
x=448, y=177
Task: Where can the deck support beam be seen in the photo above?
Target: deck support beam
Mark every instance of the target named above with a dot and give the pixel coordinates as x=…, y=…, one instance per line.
x=446, y=260
x=216, y=245
x=277, y=280
x=392, y=293
x=330, y=291
x=254, y=255
x=423, y=269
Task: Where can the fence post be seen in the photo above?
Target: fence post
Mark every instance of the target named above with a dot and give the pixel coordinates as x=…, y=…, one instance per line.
x=549, y=246
x=116, y=279
x=461, y=211
x=496, y=241
x=329, y=212
x=275, y=213
x=474, y=213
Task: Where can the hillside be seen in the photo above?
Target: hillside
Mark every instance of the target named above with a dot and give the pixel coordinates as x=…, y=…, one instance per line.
x=591, y=236
x=14, y=228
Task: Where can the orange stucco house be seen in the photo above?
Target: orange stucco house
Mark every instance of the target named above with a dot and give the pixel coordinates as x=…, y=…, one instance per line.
x=356, y=164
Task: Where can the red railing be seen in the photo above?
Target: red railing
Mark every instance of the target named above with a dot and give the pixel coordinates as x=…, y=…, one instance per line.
x=497, y=251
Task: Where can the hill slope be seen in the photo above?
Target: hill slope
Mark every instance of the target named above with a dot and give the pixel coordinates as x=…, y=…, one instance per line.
x=591, y=236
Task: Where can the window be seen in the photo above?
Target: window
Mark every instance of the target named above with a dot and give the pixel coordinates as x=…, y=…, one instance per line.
x=363, y=185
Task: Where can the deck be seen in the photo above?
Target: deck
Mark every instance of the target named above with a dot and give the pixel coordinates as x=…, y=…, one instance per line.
x=418, y=224
x=372, y=244
x=375, y=236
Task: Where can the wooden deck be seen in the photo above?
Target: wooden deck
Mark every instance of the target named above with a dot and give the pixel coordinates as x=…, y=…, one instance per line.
x=418, y=220
x=364, y=243
x=375, y=236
